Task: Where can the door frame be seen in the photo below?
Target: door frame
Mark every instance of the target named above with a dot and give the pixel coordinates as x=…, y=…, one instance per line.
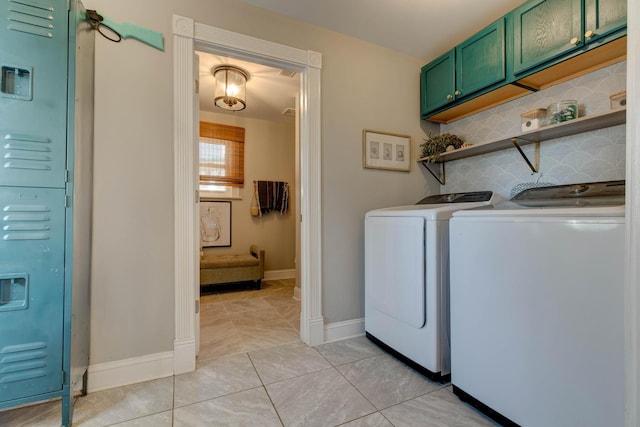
x=189, y=36
x=632, y=216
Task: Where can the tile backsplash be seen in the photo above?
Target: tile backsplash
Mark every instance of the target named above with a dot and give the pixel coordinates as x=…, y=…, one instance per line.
x=587, y=157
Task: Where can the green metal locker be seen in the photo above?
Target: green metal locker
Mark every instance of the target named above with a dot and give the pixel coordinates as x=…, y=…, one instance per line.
x=46, y=156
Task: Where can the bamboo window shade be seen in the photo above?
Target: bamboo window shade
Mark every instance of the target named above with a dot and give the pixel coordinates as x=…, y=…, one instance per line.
x=221, y=154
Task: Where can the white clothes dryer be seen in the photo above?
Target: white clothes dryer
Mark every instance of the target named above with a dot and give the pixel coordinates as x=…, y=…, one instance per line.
x=537, y=307
x=407, y=279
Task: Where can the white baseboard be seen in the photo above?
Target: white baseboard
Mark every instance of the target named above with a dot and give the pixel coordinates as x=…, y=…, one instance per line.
x=103, y=376
x=315, y=331
x=184, y=356
x=343, y=330
x=108, y=375
x=279, y=274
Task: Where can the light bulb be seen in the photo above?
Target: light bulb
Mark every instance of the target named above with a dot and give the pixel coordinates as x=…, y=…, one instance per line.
x=232, y=90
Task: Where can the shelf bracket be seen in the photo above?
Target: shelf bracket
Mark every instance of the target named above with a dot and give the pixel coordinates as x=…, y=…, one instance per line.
x=533, y=166
x=438, y=175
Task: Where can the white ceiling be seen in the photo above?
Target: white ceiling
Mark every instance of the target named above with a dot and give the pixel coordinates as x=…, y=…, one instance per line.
x=421, y=28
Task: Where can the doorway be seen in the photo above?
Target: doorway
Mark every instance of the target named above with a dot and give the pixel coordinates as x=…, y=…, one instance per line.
x=238, y=317
x=189, y=36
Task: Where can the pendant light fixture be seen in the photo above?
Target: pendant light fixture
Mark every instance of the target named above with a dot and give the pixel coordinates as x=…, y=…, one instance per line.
x=231, y=87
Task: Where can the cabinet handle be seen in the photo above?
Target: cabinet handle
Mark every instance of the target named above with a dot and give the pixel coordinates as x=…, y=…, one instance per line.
x=588, y=34
x=449, y=96
x=574, y=41
x=457, y=92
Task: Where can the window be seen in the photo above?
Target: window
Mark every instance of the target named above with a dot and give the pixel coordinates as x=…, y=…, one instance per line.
x=221, y=152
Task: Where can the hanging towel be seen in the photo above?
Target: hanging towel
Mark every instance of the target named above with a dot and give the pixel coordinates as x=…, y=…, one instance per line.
x=281, y=196
x=272, y=196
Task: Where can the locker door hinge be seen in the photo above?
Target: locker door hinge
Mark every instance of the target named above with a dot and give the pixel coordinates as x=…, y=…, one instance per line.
x=62, y=376
x=67, y=176
x=67, y=201
x=69, y=5
x=197, y=306
x=197, y=86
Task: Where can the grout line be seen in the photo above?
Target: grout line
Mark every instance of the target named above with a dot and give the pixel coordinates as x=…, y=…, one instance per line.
x=438, y=388
x=219, y=397
x=301, y=375
x=358, y=390
x=264, y=386
x=173, y=402
x=255, y=369
x=385, y=417
x=358, y=360
x=273, y=404
x=331, y=367
x=323, y=356
x=364, y=416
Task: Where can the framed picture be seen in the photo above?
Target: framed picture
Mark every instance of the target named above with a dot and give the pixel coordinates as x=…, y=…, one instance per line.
x=383, y=150
x=215, y=224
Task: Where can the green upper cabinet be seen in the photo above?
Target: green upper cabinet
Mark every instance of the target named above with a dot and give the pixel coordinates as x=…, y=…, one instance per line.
x=545, y=29
x=475, y=64
x=536, y=45
x=480, y=61
x=437, y=83
x=603, y=17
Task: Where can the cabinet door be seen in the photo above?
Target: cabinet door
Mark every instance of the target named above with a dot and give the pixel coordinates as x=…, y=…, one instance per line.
x=545, y=29
x=33, y=84
x=480, y=61
x=603, y=17
x=437, y=83
x=31, y=291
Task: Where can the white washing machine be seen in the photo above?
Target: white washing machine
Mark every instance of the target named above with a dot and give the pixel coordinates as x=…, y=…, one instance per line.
x=537, y=307
x=407, y=278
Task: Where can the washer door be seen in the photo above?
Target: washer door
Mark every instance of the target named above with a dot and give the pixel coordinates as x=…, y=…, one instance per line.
x=394, y=267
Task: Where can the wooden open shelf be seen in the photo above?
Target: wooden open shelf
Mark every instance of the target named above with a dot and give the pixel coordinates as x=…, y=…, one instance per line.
x=581, y=124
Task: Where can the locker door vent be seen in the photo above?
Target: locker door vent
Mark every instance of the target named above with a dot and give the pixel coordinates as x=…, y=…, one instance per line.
x=14, y=292
x=16, y=82
x=26, y=222
x=23, y=362
x=23, y=151
x=31, y=17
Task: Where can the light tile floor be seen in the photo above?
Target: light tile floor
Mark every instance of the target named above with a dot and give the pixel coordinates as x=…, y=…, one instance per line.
x=254, y=371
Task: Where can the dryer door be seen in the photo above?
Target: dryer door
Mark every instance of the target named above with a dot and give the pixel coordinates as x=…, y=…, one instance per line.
x=394, y=267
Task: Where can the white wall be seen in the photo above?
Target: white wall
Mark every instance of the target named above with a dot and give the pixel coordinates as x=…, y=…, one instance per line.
x=132, y=282
x=269, y=151
x=132, y=269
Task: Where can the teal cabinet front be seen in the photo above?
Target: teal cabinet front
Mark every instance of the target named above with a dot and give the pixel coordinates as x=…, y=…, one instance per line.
x=33, y=75
x=437, y=83
x=31, y=291
x=603, y=17
x=480, y=61
x=523, y=48
x=475, y=64
x=46, y=128
x=546, y=29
